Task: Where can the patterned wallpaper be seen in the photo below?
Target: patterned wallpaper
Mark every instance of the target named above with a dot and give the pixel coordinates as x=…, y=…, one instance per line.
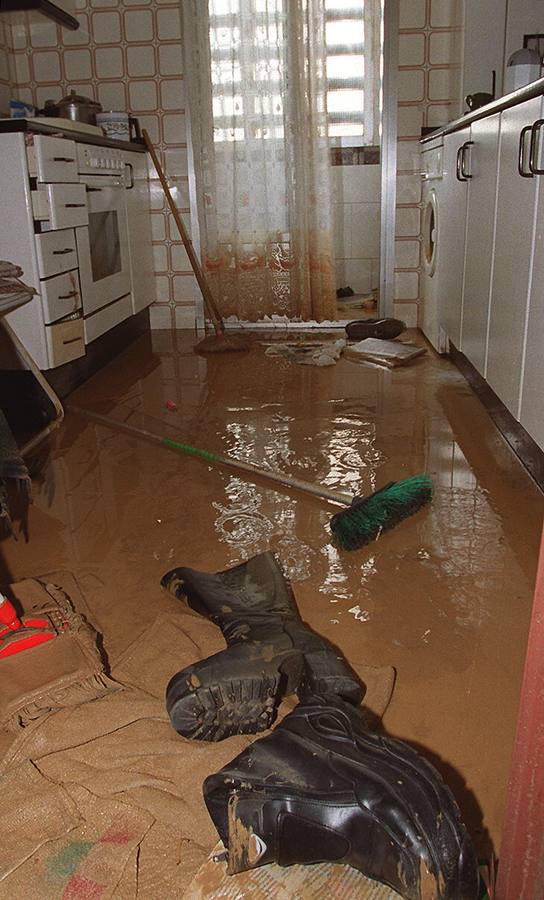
x=127, y=55
x=430, y=46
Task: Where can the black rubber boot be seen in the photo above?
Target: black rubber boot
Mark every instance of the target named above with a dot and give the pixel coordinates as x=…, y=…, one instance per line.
x=270, y=653
x=385, y=329
x=322, y=787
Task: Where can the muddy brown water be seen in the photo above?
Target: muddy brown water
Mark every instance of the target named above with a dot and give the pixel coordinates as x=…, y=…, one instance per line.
x=445, y=598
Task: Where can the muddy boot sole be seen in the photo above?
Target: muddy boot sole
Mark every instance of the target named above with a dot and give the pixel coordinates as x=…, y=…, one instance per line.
x=234, y=692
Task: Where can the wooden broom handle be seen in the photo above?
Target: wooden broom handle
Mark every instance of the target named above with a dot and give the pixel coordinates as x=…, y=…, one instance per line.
x=209, y=302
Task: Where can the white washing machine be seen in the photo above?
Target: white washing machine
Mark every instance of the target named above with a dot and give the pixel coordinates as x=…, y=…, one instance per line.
x=432, y=180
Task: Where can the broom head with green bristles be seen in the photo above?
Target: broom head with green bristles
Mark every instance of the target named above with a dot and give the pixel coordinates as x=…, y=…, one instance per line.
x=367, y=517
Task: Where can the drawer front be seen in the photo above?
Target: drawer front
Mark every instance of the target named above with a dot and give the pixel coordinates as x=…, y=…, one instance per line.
x=66, y=205
x=65, y=341
x=60, y=296
x=107, y=317
x=54, y=159
x=56, y=252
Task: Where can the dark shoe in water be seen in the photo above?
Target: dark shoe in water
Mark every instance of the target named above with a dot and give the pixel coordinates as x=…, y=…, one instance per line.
x=384, y=329
x=322, y=787
x=270, y=652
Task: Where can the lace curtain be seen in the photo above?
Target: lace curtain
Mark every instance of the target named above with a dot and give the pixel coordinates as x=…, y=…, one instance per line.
x=256, y=82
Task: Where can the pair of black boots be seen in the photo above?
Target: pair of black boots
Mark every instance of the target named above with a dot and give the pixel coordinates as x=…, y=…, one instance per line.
x=322, y=786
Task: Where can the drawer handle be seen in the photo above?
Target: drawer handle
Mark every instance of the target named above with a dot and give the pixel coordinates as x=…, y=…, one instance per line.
x=67, y=296
x=91, y=190
x=63, y=159
x=74, y=205
x=72, y=340
x=61, y=252
x=521, y=152
x=533, y=148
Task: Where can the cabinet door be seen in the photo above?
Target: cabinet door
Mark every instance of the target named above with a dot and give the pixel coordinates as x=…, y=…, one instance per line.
x=451, y=237
x=532, y=392
x=484, y=154
x=516, y=197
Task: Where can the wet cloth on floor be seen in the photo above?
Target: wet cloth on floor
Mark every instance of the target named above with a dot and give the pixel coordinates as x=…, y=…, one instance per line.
x=120, y=753
x=313, y=353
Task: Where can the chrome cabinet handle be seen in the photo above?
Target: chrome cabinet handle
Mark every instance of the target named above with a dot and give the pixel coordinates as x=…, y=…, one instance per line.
x=459, y=165
x=533, y=147
x=74, y=205
x=63, y=159
x=521, y=152
x=62, y=252
x=91, y=190
x=464, y=149
x=67, y=296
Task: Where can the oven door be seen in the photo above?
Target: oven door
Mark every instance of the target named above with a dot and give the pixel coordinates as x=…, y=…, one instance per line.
x=102, y=246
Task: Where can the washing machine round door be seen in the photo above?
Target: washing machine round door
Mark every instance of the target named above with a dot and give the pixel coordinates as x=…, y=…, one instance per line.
x=430, y=232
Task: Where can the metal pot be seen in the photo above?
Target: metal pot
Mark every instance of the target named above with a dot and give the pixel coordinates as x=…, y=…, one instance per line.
x=74, y=107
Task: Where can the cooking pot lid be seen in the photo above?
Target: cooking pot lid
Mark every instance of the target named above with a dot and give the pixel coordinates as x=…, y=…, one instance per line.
x=78, y=100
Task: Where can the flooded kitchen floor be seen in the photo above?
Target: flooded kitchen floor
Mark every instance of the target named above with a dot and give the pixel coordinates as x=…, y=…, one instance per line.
x=445, y=597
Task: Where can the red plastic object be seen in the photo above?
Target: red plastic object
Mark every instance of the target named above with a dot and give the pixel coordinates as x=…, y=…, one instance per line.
x=17, y=635
x=171, y=405
x=521, y=858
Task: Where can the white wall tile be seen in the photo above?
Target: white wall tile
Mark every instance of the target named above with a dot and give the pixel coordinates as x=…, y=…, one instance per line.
x=407, y=222
x=170, y=62
x=185, y=287
x=138, y=25
x=185, y=317
x=406, y=285
x=111, y=95
x=109, y=62
x=342, y=230
x=46, y=65
x=365, y=230
x=410, y=121
x=411, y=85
x=173, y=94
x=179, y=261
x=412, y=14
x=168, y=24
x=174, y=129
x=79, y=37
x=143, y=96
x=77, y=64
x=411, y=49
x=158, y=227
x=444, y=47
x=160, y=316
x=358, y=275
x=175, y=163
x=160, y=258
x=162, y=285
x=447, y=13
x=106, y=27
x=408, y=189
x=141, y=61
x=44, y=34
x=442, y=84
x=408, y=156
x=407, y=254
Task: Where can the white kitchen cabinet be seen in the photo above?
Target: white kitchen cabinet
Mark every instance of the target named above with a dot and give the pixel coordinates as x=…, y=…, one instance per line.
x=453, y=206
x=484, y=153
x=532, y=388
x=516, y=199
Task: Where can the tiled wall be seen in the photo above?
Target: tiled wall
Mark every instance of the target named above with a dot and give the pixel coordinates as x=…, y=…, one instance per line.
x=5, y=79
x=430, y=41
x=127, y=55
x=356, y=194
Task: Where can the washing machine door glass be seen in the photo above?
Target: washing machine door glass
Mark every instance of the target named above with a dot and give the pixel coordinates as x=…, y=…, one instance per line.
x=430, y=232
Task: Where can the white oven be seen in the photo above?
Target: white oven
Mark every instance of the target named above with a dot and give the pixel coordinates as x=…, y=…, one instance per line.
x=103, y=244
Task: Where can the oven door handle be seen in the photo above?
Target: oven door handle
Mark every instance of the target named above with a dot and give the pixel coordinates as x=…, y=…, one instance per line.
x=129, y=166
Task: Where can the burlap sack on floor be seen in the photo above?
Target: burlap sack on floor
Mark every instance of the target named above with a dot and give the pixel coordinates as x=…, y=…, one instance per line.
x=65, y=671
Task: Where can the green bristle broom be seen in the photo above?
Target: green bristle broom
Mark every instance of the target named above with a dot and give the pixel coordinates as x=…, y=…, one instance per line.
x=365, y=517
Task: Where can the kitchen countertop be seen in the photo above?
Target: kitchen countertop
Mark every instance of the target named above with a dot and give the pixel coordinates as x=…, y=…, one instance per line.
x=8, y=126
x=535, y=89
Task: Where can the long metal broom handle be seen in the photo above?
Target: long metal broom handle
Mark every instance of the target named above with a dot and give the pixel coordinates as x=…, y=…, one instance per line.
x=270, y=474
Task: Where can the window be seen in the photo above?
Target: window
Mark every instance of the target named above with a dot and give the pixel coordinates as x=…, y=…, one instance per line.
x=248, y=44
